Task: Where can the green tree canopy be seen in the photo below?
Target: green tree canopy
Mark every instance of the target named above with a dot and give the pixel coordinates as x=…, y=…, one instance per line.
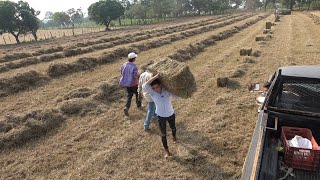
x=104, y=11
x=61, y=18
x=18, y=18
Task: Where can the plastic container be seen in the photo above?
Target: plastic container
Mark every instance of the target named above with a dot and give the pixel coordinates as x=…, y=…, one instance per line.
x=300, y=158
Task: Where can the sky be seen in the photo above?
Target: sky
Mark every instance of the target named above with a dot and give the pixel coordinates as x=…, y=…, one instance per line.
x=58, y=5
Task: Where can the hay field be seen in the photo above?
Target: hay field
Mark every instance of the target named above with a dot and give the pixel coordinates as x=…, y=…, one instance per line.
x=73, y=126
x=47, y=34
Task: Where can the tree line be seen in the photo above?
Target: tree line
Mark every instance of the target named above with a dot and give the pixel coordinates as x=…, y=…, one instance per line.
x=19, y=18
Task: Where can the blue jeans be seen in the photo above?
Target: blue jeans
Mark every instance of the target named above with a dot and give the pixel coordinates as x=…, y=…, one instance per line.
x=150, y=113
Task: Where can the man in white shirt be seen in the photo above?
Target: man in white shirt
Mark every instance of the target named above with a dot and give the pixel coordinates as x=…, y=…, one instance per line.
x=144, y=77
x=164, y=109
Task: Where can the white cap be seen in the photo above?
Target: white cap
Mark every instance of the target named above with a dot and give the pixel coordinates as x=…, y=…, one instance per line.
x=132, y=55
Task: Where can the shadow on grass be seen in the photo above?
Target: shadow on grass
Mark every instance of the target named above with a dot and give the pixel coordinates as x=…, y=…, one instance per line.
x=192, y=151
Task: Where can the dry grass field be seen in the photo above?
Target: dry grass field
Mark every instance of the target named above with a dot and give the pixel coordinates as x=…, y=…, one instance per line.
x=72, y=126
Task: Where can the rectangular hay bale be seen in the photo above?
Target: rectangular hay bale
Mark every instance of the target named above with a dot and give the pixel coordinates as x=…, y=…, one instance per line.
x=175, y=76
x=268, y=25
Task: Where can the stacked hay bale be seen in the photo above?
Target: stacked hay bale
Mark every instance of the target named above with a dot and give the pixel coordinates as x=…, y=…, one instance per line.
x=268, y=25
x=263, y=37
x=176, y=77
x=222, y=81
x=245, y=51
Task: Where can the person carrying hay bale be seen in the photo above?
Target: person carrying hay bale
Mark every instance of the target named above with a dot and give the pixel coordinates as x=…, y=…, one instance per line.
x=129, y=80
x=164, y=109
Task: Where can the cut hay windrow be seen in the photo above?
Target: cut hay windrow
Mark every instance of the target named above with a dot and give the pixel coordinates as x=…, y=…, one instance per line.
x=30, y=61
x=82, y=64
x=83, y=101
x=53, y=70
x=146, y=35
x=21, y=82
x=79, y=106
x=192, y=50
x=16, y=131
x=74, y=50
x=315, y=18
x=60, y=69
x=48, y=50
x=14, y=56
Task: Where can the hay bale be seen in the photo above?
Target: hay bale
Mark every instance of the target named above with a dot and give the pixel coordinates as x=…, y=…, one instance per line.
x=245, y=51
x=18, y=130
x=260, y=38
x=79, y=106
x=222, y=81
x=175, y=76
x=268, y=25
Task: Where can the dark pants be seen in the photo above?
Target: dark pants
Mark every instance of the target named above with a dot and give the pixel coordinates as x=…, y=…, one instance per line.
x=163, y=128
x=131, y=91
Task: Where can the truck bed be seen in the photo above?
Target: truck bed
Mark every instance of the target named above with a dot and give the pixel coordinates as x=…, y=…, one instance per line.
x=270, y=162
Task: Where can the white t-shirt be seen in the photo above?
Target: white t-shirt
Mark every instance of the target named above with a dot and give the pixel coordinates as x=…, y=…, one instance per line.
x=144, y=77
x=162, y=101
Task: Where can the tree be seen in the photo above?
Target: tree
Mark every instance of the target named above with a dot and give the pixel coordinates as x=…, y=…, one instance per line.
x=200, y=5
x=75, y=17
x=288, y=3
x=253, y=4
x=162, y=8
x=61, y=18
x=29, y=20
x=104, y=11
x=18, y=18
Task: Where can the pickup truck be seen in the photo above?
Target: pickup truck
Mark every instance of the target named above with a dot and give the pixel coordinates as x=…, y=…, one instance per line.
x=293, y=100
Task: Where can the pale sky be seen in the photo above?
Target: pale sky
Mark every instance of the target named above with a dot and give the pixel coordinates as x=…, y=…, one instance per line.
x=58, y=5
